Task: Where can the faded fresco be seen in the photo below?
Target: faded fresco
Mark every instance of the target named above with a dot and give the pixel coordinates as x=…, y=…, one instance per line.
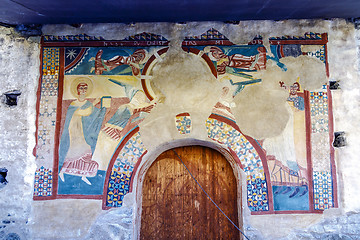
x=94, y=94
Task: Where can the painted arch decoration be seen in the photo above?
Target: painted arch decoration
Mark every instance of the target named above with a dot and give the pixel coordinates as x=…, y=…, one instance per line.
x=93, y=93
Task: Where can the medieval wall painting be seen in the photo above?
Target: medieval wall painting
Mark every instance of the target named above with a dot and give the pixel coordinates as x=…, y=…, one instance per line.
x=94, y=93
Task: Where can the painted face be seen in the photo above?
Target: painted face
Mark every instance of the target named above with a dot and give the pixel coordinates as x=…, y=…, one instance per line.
x=82, y=89
x=293, y=89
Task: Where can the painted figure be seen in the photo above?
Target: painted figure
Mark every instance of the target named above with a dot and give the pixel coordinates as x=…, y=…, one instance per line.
x=122, y=122
x=298, y=101
x=79, y=137
x=239, y=61
x=286, y=153
x=224, y=105
x=133, y=61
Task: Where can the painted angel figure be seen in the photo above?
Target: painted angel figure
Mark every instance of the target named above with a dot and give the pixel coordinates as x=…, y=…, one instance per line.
x=133, y=61
x=122, y=122
x=79, y=137
x=239, y=61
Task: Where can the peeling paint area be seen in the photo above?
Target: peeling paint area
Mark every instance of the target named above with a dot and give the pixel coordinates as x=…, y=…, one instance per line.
x=114, y=89
x=183, y=123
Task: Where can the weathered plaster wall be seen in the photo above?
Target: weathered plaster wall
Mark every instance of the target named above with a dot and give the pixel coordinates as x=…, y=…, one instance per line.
x=84, y=219
x=19, y=70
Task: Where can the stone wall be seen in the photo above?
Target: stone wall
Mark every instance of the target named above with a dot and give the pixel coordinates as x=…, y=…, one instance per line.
x=23, y=218
x=19, y=64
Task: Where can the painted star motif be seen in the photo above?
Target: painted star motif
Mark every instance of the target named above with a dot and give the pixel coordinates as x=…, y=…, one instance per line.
x=71, y=54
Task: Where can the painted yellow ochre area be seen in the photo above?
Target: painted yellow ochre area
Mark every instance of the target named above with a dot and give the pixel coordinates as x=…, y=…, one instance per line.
x=101, y=85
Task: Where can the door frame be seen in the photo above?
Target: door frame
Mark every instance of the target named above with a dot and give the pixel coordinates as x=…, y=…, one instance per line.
x=152, y=155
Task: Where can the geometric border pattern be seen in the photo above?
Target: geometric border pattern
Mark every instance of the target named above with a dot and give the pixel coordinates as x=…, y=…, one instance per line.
x=119, y=185
x=320, y=130
x=120, y=177
x=323, y=194
x=257, y=193
x=48, y=105
x=43, y=182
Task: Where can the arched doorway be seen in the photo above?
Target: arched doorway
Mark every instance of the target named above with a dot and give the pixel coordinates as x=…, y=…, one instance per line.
x=174, y=206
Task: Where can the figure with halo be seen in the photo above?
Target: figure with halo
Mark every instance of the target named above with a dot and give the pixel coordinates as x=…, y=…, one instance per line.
x=81, y=129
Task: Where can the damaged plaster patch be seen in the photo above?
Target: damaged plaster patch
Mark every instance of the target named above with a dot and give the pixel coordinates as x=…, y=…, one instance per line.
x=311, y=72
x=187, y=85
x=261, y=112
x=114, y=224
x=261, y=109
x=185, y=80
x=63, y=218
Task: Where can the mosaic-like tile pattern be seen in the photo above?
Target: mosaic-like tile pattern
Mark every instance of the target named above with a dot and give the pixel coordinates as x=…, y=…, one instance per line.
x=229, y=136
x=49, y=85
x=323, y=193
x=319, y=54
x=257, y=194
x=48, y=105
x=118, y=187
x=320, y=141
x=183, y=123
x=43, y=182
x=119, y=181
x=51, y=61
x=249, y=158
x=257, y=189
x=132, y=151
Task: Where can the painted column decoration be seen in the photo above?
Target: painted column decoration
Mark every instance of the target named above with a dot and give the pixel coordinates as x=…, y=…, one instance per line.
x=323, y=187
x=46, y=119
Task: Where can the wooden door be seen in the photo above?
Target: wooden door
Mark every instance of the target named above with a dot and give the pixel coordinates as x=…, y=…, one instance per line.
x=175, y=207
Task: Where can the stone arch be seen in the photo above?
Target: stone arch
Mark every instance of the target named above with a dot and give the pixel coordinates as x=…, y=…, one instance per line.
x=249, y=156
x=127, y=165
x=151, y=156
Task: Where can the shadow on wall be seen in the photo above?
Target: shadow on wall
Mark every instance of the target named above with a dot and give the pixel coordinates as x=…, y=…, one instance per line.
x=3, y=181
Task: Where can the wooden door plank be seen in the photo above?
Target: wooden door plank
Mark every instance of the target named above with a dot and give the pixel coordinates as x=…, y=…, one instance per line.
x=174, y=206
